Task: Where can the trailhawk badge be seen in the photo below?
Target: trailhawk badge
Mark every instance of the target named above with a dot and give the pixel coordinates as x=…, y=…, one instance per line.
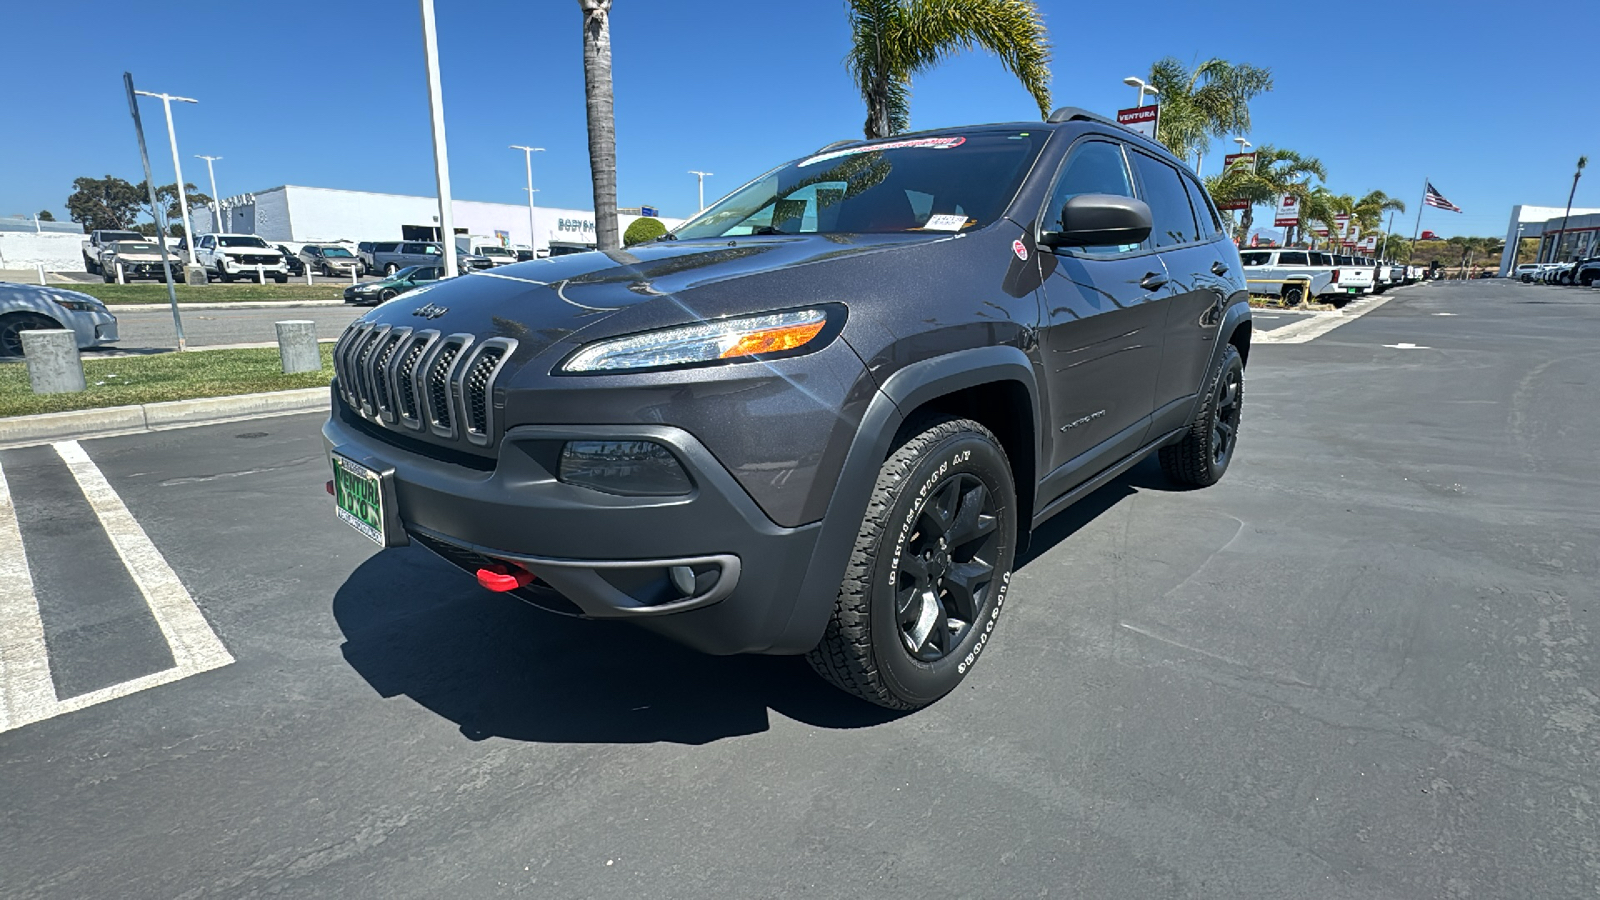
x=430, y=311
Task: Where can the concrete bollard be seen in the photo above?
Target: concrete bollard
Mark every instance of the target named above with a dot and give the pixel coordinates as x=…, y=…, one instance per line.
x=54, y=366
x=297, y=346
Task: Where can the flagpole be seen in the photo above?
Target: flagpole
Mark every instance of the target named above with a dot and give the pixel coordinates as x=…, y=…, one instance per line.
x=1385, y=245
x=1420, y=204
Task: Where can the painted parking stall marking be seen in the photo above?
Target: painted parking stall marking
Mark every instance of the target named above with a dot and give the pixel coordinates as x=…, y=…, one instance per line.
x=27, y=692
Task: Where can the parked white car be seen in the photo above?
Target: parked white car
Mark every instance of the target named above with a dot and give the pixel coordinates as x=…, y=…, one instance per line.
x=32, y=307
x=230, y=256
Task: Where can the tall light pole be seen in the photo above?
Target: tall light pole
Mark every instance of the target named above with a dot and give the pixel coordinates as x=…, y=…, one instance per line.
x=527, y=153
x=701, y=178
x=1143, y=86
x=177, y=168
x=441, y=154
x=216, y=201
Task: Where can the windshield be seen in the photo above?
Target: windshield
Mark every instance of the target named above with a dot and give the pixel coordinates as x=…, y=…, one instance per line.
x=946, y=183
x=407, y=273
x=244, y=241
x=137, y=247
x=493, y=251
x=107, y=237
x=337, y=253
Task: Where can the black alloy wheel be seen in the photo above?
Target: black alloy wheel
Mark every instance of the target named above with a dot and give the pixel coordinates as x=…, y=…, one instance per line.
x=945, y=562
x=1202, y=455
x=387, y=295
x=927, y=579
x=1294, y=296
x=12, y=327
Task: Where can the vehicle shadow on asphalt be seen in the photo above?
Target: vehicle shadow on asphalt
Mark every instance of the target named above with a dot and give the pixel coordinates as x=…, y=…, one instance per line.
x=416, y=626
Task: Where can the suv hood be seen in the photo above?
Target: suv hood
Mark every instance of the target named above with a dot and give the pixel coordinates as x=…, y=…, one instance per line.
x=544, y=302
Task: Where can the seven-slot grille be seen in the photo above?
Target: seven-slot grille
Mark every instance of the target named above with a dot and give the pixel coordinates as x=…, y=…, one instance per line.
x=421, y=380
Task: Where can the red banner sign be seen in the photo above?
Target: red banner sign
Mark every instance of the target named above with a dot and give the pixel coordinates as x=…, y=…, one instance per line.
x=1141, y=119
x=1288, y=211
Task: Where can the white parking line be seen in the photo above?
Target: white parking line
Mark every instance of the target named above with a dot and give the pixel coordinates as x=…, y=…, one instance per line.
x=27, y=692
x=195, y=647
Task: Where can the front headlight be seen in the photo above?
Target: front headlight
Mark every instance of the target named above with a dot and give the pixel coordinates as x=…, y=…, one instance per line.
x=82, y=305
x=727, y=340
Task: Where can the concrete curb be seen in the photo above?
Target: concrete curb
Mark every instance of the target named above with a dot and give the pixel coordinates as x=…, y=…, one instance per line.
x=246, y=304
x=22, y=431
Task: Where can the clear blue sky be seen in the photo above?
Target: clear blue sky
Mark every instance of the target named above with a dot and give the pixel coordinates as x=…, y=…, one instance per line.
x=333, y=95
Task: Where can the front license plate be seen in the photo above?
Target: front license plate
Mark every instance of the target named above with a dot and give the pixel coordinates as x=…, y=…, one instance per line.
x=358, y=498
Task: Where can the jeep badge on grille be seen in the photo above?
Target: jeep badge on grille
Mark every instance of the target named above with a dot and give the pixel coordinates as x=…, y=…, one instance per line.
x=429, y=311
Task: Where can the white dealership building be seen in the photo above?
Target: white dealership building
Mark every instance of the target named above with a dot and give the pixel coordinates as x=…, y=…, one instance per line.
x=1580, y=239
x=294, y=213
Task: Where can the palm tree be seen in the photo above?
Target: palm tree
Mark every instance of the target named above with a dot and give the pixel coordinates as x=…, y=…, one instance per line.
x=602, y=119
x=1369, y=209
x=1278, y=171
x=892, y=40
x=1583, y=163
x=1209, y=102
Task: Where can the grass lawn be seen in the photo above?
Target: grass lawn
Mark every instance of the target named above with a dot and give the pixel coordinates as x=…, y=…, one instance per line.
x=217, y=292
x=169, y=376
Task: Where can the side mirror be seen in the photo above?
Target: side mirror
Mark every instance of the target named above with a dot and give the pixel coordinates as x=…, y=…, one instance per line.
x=1100, y=220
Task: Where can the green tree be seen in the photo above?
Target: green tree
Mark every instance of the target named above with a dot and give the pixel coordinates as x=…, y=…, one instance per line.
x=643, y=229
x=1368, y=210
x=893, y=40
x=1278, y=171
x=105, y=203
x=602, y=119
x=46, y=215
x=1211, y=101
x=167, y=196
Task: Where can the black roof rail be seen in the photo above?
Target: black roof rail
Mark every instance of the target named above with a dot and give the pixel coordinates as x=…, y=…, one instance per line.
x=1068, y=113
x=837, y=144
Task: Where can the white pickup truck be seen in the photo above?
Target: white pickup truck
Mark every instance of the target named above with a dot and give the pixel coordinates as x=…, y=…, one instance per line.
x=1351, y=276
x=230, y=256
x=98, y=245
x=1293, y=275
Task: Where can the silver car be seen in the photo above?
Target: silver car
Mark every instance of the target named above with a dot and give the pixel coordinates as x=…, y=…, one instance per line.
x=32, y=307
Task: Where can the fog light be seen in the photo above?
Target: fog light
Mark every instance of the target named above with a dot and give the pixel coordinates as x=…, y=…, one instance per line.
x=682, y=579
x=629, y=468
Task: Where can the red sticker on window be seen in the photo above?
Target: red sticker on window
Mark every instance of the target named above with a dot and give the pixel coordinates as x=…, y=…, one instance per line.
x=1020, y=249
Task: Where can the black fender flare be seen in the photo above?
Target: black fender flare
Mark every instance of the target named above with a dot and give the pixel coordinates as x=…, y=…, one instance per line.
x=902, y=393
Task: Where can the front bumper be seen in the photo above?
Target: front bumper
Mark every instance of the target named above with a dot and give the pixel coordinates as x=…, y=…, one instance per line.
x=605, y=554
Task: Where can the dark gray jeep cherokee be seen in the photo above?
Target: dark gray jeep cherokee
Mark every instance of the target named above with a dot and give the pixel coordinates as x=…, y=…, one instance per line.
x=821, y=417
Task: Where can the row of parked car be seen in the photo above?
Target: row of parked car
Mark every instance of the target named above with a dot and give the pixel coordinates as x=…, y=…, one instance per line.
x=1296, y=275
x=1583, y=272
x=227, y=257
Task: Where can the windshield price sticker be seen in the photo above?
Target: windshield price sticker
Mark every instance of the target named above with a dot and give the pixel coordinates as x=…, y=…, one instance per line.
x=933, y=143
x=943, y=222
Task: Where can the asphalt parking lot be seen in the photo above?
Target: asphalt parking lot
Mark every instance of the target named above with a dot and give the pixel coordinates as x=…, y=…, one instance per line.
x=1364, y=665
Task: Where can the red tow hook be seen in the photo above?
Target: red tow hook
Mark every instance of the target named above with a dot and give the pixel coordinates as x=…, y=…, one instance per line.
x=502, y=577
x=329, y=486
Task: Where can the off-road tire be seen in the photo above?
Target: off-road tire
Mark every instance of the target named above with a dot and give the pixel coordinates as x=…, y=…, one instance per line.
x=1294, y=296
x=12, y=326
x=863, y=650
x=1195, y=460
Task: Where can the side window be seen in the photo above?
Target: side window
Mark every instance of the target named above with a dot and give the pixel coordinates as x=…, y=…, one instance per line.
x=1293, y=259
x=1204, y=209
x=1254, y=258
x=207, y=242
x=1169, y=203
x=429, y=250
x=1093, y=167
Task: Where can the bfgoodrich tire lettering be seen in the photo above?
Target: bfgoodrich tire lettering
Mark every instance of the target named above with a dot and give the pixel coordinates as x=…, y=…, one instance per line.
x=1201, y=458
x=927, y=579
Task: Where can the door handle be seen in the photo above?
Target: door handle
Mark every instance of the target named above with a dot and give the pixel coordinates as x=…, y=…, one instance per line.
x=1152, y=281
x=1219, y=268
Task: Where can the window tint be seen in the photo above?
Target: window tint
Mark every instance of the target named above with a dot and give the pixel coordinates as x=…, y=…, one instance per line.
x=1255, y=258
x=938, y=183
x=1093, y=167
x=1204, y=210
x=1293, y=259
x=1169, y=203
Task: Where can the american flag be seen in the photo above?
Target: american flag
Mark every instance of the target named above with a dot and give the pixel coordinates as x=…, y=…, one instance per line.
x=1434, y=198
